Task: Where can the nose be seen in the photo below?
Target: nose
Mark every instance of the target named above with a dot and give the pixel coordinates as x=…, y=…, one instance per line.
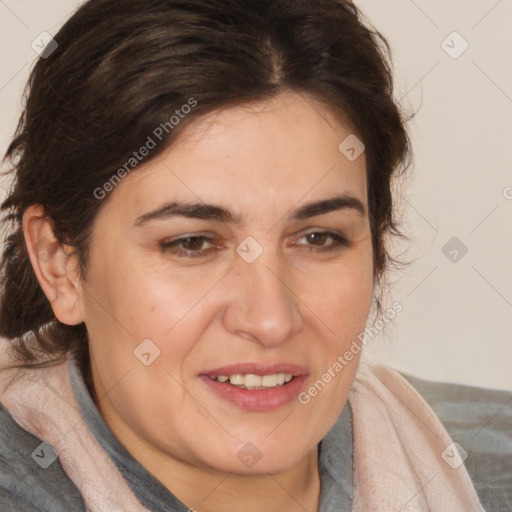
x=263, y=305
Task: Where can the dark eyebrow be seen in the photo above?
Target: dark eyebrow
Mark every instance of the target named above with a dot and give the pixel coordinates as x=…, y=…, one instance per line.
x=339, y=202
x=217, y=213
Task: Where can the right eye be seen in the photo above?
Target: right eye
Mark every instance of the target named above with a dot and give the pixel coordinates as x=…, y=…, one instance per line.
x=188, y=246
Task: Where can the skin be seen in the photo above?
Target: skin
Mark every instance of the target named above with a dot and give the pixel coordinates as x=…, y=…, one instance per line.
x=293, y=304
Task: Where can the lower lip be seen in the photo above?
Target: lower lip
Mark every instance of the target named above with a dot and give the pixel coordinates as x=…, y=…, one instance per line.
x=257, y=399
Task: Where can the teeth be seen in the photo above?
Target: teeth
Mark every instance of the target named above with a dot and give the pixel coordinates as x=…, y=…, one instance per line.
x=251, y=381
x=268, y=381
x=237, y=379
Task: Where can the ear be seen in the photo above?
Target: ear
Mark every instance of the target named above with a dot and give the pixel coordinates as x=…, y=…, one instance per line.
x=55, y=268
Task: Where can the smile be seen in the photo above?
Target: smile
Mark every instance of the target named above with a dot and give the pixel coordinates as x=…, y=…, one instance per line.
x=251, y=381
x=256, y=387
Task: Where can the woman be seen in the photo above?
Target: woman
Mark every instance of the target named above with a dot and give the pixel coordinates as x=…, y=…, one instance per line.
x=201, y=199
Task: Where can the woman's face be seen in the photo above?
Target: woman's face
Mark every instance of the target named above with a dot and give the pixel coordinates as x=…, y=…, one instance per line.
x=224, y=257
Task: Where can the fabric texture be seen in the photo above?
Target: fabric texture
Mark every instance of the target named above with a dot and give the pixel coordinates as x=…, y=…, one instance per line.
x=403, y=457
x=480, y=421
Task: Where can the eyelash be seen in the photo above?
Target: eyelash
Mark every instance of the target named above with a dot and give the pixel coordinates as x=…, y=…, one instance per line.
x=172, y=246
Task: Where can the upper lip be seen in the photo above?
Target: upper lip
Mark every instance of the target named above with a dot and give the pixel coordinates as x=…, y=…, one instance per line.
x=257, y=369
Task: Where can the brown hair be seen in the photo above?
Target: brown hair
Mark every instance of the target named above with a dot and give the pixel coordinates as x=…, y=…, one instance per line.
x=123, y=67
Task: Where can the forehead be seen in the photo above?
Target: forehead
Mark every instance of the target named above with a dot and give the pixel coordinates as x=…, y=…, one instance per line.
x=259, y=157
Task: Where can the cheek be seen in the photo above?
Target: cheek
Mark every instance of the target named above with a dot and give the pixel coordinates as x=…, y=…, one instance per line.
x=135, y=302
x=343, y=300
x=345, y=294
x=133, y=296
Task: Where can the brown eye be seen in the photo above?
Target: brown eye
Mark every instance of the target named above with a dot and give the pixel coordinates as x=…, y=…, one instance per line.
x=192, y=243
x=189, y=246
x=317, y=238
x=323, y=240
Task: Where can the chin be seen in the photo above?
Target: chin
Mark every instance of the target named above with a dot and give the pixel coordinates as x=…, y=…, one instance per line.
x=262, y=456
x=276, y=464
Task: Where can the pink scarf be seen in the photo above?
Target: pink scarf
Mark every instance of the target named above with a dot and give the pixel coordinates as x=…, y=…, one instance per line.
x=399, y=443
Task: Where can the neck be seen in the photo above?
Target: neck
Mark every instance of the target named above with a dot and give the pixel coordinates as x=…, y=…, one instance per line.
x=209, y=490
x=295, y=490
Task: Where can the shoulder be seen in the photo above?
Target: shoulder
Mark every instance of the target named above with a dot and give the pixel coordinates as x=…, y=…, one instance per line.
x=24, y=483
x=480, y=421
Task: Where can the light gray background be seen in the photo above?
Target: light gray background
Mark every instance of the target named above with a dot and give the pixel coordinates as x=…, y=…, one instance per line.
x=456, y=318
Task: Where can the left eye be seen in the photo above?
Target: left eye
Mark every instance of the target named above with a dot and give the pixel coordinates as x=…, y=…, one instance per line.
x=194, y=246
x=319, y=239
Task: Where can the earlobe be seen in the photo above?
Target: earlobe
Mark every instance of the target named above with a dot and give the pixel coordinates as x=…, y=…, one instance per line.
x=54, y=266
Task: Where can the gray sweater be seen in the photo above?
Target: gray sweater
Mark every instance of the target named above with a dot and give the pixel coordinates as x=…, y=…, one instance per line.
x=480, y=420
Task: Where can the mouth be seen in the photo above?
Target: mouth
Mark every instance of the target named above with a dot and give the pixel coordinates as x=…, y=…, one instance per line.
x=251, y=381
x=256, y=387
